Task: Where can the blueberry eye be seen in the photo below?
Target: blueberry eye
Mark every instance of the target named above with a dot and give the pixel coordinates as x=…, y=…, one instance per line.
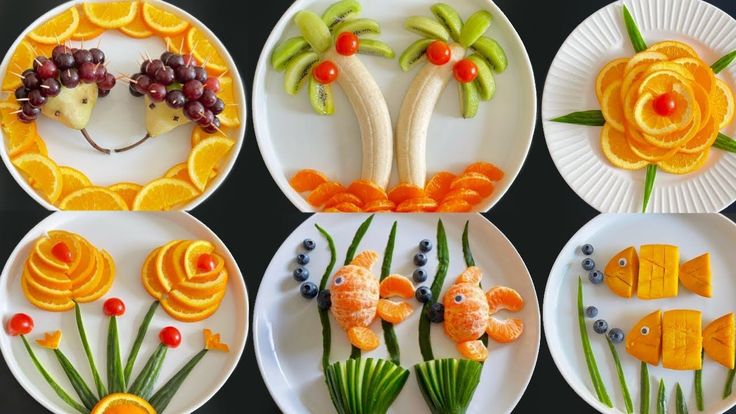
x=622, y=262
x=339, y=281
x=459, y=298
x=645, y=330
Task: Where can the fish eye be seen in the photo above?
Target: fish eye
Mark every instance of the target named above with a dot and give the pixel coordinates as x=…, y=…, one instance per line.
x=459, y=298
x=645, y=330
x=339, y=281
x=622, y=262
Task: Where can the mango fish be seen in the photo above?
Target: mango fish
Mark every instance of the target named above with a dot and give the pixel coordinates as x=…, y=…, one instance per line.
x=655, y=272
x=676, y=337
x=468, y=314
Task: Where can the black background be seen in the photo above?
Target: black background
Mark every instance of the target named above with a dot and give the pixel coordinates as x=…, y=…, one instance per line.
x=539, y=213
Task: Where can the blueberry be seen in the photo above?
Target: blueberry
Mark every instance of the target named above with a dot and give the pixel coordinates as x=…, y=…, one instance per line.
x=420, y=276
x=587, y=249
x=591, y=311
x=423, y=294
x=302, y=259
x=324, y=299
x=600, y=326
x=436, y=313
x=425, y=245
x=301, y=274
x=309, y=244
x=420, y=259
x=308, y=290
x=596, y=277
x=588, y=264
x=616, y=335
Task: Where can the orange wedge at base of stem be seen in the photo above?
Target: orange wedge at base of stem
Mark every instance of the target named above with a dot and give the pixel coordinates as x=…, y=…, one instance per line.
x=612, y=72
x=205, y=157
x=111, y=15
x=42, y=174
x=93, y=198
x=123, y=403
x=50, y=340
x=58, y=29
x=164, y=194
x=212, y=342
x=617, y=150
x=683, y=163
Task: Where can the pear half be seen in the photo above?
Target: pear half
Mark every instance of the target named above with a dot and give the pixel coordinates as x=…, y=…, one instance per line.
x=161, y=118
x=72, y=107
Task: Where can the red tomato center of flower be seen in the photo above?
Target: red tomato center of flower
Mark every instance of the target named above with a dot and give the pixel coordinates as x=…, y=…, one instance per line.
x=20, y=324
x=205, y=263
x=465, y=71
x=113, y=307
x=326, y=72
x=170, y=337
x=347, y=44
x=665, y=104
x=438, y=53
x=62, y=252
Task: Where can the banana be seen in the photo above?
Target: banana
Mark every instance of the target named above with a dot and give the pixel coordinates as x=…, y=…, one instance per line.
x=415, y=115
x=373, y=116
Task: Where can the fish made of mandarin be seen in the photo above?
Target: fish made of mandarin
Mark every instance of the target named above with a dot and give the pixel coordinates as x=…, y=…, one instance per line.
x=358, y=298
x=656, y=272
x=468, y=314
x=676, y=337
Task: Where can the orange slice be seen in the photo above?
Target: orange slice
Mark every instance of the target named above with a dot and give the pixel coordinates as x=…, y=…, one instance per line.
x=673, y=49
x=45, y=302
x=203, y=159
x=72, y=180
x=42, y=174
x=722, y=103
x=177, y=44
x=702, y=98
x=612, y=72
x=93, y=198
x=393, y=312
x=165, y=268
x=163, y=22
x=182, y=312
x=367, y=191
x=138, y=29
x=363, y=338
x=47, y=276
x=486, y=168
x=379, y=206
x=650, y=122
x=439, y=185
x=645, y=150
x=19, y=136
x=123, y=403
x=38, y=147
x=465, y=194
x=128, y=191
x=660, y=82
x=617, y=150
x=342, y=198
x=683, y=163
x=672, y=67
x=396, y=286
x=206, y=289
x=105, y=281
x=199, y=300
x=191, y=257
x=501, y=297
x=86, y=287
x=324, y=192
x=472, y=275
x=58, y=29
x=178, y=171
x=86, y=30
x=46, y=291
x=229, y=116
x=198, y=134
x=111, y=15
x=417, y=205
x=473, y=350
x=632, y=81
x=676, y=139
x=307, y=180
x=149, y=275
x=403, y=192
x=612, y=106
x=205, y=51
x=454, y=206
x=702, y=73
x=703, y=139
x=504, y=331
x=43, y=248
x=474, y=181
x=164, y=194
x=21, y=60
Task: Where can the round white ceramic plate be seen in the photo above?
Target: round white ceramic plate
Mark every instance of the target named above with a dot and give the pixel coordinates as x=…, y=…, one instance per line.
x=118, y=119
x=611, y=233
x=570, y=87
x=288, y=340
x=129, y=238
x=292, y=137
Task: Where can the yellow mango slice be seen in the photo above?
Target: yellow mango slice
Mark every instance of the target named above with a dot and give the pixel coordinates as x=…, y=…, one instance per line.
x=682, y=340
x=719, y=340
x=644, y=341
x=659, y=268
x=696, y=276
x=622, y=271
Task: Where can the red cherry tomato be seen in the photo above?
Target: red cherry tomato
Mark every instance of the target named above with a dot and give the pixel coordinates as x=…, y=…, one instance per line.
x=212, y=84
x=205, y=263
x=439, y=53
x=465, y=71
x=170, y=337
x=665, y=104
x=347, y=44
x=62, y=252
x=20, y=324
x=326, y=72
x=114, y=307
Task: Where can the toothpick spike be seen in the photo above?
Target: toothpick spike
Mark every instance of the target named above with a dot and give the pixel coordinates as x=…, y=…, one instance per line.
x=16, y=112
x=17, y=74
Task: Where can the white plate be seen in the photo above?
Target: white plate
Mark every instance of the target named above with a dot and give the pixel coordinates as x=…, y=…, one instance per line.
x=609, y=234
x=118, y=119
x=292, y=137
x=570, y=87
x=129, y=238
x=288, y=340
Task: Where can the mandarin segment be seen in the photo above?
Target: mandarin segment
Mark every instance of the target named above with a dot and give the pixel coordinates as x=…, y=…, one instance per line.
x=396, y=286
x=344, y=198
x=416, y=205
x=504, y=331
x=454, y=206
x=379, y=206
x=502, y=297
x=307, y=180
x=464, y=194
x=474, y=181
x=363, y=338
x=367, y=190
x=473, y=350
x=403, y=192
x=347, y=208
x=393, y=312
x=324, y=192
x=486, y=168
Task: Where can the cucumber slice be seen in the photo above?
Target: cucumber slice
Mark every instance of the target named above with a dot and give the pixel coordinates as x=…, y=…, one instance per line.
x=449, y=18
x=358, y=27
x=320, y=96
x=376, y=48
x=414, y=53
x=297, y=71
x=469, y=99
x=426, y=27
x=286, y=51
x=364, y=385
x=448, y=384
x=485, y=82
x=340, y=11
x=474, y=27
x=314, y=30
x=493, y=52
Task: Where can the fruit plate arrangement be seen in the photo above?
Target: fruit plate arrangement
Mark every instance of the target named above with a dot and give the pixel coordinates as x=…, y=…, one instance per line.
x=666, y=144
x=615, y=247
x=87, y=81
x=387, y=131
x=413, y=252
x=126, y=240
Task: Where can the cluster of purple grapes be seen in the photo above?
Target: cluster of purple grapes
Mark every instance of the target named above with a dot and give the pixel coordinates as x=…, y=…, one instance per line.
x=67, y=67
x=183, y=85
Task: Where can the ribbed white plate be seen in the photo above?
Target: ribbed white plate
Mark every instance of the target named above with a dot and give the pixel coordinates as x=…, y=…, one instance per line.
x=570, y=87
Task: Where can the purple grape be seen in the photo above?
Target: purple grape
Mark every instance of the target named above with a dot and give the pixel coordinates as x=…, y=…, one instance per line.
x=157, y=92
x=175, y=98
x=165, y=56
x=38, y=61
x=102, y=92
x=218, y=106
x=82, y=56
x=87, y=72
x=30, y=111
x=207, y=118
x=193, y=90
x=98, y=56
x=36, y=98
x=30, y=79
x=144, y=66
x=50, y=88
x=194, y=110
x=134, y=91
x=143, y=84
x=174, y=61
x=165, y=76
x=200, y=74
x=107, y=83
x=208, y=98
x=69, y=78
x=47, y=70
x=58, y=50
x=213, y=127
x=25, y=118
x=21, y=92
x=100, y=72
x=184, y=74
x=64, y=61
x=153, y=67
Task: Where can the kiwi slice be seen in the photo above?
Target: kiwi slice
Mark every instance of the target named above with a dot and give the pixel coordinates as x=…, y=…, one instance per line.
x=474, y=27
x=414, y=53
x=493, y=52
x=286, y=51
x=314, y=30
x=376, y=48
x=485, y=82
x=320, y=96
x=469, y=99
x=340, y=11
x=426, y=27
x=449, y=18
x=358, y=27
x=297, y=70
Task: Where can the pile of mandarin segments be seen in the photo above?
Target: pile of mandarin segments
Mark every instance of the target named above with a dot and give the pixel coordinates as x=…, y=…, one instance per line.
x=662, y=106
x=68, y=188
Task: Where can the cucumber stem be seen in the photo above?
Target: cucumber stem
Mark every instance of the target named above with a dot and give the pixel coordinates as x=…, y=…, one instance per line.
x=637, y=41
x=721, y=64
x=355, y=351
x=443, y=256
x=729, y=383
x=470, y=261
x=661, y=400
x=595, y=376
x=85, y=394
x=681, y=405
x=392, y=344
x=133, y=355
x=644, y=389
x=143, y=384
x=115, y=377
x=699, y=387
x=323, y=316
x=588, y=118
x=621, y=377
x=101, y=390
x=163, y=397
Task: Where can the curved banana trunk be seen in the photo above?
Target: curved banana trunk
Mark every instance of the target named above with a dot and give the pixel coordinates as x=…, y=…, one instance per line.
x=372, y=112
x=415, y=115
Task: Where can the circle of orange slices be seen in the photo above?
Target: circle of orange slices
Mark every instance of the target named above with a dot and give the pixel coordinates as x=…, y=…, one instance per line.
x=636, y=135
